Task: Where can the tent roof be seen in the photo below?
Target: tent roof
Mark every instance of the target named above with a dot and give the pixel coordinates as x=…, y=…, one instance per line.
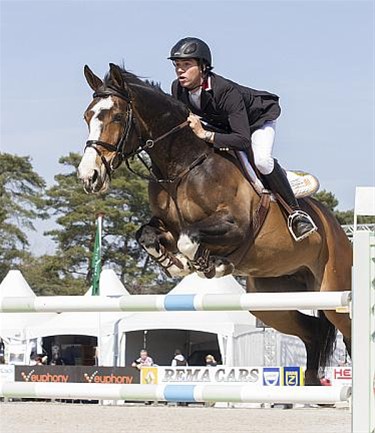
x=48, y=324
x=14, y=284
x=13, y=325
x=85, y=323
x=32, y=325
x=193, y=284
x=223, y=322
x=109, y=284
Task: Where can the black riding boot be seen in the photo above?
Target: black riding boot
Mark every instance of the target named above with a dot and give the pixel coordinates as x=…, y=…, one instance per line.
x=300, y=223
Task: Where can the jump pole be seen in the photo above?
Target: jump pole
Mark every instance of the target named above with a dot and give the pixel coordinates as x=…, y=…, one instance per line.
x=338, y=301
x=176, y=393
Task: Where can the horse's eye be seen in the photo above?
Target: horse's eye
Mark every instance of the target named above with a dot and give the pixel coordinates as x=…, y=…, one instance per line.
x=118, y=117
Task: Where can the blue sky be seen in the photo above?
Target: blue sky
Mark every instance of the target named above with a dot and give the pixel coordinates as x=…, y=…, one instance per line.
x=318, y=56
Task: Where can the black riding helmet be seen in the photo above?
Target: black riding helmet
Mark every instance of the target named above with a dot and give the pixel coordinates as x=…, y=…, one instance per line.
x=192, y=48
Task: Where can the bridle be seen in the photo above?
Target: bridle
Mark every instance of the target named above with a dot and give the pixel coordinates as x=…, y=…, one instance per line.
x=130, y=124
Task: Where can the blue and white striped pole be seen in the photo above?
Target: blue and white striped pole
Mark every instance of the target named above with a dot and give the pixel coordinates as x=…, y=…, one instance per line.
x=180, y=393
x=338, y=301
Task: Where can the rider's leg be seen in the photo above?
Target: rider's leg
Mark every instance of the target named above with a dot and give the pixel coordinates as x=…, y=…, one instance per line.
x=262, y=140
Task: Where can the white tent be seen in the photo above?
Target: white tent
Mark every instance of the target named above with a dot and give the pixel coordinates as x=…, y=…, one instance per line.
x=26, y=329
x=231, y=329
x=14, y=326
x=100, y=325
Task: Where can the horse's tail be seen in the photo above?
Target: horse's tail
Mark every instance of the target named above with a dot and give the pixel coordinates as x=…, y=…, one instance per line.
x=327, y=338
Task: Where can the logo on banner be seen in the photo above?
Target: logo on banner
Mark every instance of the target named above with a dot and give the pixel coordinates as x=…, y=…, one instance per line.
x=33, y=376
x=292, y=376
x=271, y=376
x=342, y=373
x=149, y=376
x=98, y=377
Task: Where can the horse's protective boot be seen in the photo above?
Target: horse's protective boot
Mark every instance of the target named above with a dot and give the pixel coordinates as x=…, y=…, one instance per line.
x=300, y=224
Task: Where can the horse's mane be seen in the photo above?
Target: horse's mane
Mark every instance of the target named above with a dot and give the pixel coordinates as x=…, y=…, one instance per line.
x=135, y=81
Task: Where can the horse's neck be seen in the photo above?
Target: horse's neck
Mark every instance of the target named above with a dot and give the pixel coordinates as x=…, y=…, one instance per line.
x=177, y=153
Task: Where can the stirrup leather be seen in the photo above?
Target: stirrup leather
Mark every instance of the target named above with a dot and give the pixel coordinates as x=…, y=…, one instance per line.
x=291, y=218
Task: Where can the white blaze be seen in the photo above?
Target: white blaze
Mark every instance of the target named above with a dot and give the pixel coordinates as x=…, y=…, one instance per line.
x=88, y=162
x=95, y=126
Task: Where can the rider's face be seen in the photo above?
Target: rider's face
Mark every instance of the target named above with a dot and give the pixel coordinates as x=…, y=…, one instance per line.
x=189, y=73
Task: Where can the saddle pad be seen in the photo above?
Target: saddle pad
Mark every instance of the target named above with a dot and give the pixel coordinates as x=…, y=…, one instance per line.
x=303, y=184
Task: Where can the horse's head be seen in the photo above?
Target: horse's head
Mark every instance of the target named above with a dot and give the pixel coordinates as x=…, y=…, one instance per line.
x=111, y=129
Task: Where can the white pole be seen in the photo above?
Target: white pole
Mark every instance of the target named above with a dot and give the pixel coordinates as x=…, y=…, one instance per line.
x=363, y=331
x=195, y=302
x=189, y=393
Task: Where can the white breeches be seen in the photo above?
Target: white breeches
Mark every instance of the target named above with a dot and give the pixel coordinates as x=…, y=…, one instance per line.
x=262, y=144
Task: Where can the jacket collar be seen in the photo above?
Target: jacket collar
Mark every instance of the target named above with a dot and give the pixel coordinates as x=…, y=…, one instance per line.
x=206, y=94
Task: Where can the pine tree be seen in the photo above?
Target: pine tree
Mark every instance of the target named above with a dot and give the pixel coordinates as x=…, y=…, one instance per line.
x=125, y=208
x=21, y=203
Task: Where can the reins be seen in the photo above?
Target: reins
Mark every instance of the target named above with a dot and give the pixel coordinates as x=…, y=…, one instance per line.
x=119, y=148
x=120, y=155
x=131, y=123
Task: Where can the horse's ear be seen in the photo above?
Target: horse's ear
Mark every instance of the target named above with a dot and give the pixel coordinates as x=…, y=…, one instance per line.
x=93, y=81
x=116, y=76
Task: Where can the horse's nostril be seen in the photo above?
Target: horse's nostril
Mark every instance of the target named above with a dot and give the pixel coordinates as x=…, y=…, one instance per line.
x=95, y=176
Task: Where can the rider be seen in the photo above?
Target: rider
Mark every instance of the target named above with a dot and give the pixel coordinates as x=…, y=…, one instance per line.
x=246, y=119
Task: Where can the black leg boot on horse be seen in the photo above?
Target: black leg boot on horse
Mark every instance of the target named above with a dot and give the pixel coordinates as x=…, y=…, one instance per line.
x=300, y=223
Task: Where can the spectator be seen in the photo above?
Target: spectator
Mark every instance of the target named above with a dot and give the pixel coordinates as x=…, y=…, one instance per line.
x=143, y=361
x=179, y=359
x=39, y=360
x=210, y=361
x=2, y=351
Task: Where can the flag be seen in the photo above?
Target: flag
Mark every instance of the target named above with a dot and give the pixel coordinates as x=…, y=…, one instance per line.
x=96, y=262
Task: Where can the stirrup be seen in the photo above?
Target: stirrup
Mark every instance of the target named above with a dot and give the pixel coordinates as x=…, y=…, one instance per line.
x=291, y=218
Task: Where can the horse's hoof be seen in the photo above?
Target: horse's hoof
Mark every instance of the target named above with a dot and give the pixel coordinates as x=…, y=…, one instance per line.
x=222, y=267
x=210, y=273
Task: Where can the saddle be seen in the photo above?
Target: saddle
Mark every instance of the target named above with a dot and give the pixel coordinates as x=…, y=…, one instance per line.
x=303, y=184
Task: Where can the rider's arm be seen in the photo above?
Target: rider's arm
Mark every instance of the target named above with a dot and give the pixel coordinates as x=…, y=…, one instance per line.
x=232, y=103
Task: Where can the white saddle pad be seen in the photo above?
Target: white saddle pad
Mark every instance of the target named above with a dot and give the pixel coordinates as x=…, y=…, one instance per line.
x=303, y=184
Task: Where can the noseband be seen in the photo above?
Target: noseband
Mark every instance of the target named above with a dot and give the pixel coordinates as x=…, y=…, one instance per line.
x=130, y=123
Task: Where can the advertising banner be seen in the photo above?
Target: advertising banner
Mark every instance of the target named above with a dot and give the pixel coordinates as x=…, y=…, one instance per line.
x=6, y=373
x=339, y=375
x=263, y=376
x=76, y=374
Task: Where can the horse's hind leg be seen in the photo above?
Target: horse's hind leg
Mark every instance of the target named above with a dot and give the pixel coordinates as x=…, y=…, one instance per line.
x=336, y=271
x=316, y=333
x=337, y=277
x=300, y=325
x=160, y=244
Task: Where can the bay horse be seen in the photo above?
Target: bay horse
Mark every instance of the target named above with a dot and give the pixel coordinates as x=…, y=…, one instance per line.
x=204, y=210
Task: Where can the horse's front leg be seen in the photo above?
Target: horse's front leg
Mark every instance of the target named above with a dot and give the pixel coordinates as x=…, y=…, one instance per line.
x=160, y=244
x=219, y=229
